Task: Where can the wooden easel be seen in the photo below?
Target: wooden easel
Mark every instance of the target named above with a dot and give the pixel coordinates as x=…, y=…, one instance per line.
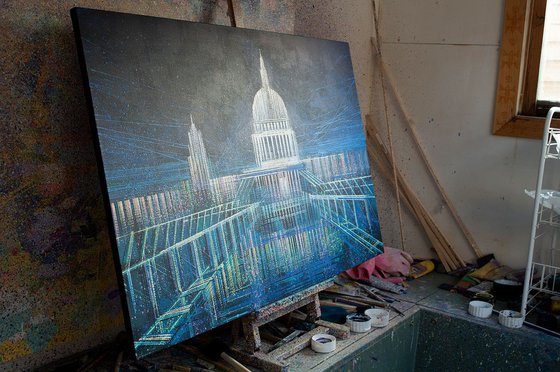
x=248, y=350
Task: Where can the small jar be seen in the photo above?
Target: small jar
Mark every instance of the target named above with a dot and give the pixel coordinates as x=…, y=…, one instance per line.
x=484, y=296
x=555, y=305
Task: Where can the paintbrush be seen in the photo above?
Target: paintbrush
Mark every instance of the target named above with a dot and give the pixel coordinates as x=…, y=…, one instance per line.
x=362, y=299
x=373, y=293
x=330, y=302
x=217, y=349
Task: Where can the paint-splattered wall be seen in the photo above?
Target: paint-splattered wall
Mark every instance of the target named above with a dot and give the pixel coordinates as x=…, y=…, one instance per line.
x=58, y=293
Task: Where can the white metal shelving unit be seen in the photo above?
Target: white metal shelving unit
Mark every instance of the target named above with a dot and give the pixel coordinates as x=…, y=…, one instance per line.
x=542, y=275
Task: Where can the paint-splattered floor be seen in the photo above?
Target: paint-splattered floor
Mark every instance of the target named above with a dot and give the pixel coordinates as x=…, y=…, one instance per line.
x=422, y=293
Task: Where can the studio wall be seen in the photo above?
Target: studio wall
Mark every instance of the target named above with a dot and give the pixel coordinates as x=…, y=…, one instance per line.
x=58, y=293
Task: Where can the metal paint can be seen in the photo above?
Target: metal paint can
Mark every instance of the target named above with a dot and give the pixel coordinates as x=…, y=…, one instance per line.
x=485, y=297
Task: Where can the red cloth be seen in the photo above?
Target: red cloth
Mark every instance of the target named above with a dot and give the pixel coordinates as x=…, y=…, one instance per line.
x=392, y=265
x=363, y=271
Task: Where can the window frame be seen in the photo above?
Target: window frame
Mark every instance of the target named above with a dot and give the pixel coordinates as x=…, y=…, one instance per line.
x=515, y=112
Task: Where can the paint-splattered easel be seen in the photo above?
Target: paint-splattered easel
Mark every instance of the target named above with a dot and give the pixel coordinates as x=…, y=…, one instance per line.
x=248, y=349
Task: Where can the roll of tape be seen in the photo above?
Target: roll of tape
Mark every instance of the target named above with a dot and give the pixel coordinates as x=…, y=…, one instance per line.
x=358, y=323
x=323, y=343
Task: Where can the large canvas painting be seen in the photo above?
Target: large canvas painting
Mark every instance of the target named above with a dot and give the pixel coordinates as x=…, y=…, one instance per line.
x=235, y=167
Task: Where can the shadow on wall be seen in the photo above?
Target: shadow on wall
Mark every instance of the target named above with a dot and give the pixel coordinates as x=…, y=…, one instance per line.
x=59, y=293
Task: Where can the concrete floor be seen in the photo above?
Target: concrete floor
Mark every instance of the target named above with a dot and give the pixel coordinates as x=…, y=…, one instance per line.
x=422, y=293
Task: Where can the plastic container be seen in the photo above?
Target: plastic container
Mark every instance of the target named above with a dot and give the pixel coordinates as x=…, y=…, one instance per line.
x=323, y=343
x=485, y=297
x=511, y=319
x=379, y=317
x=358, y=323
x=480, y=309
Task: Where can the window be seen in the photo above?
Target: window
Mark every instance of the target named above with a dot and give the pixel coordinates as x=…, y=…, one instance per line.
x=529, y=75
x=548, y=90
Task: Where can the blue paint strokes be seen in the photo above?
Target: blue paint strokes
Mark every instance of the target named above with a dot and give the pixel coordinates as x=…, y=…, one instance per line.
x=236, y=167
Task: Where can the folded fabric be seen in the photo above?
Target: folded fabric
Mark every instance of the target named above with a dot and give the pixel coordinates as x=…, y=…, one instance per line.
x=394, y=262
x=392, y=265
x=363, y=271
x=491, y=271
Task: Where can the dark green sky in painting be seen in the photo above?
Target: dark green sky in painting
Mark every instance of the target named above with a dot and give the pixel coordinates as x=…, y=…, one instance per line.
x=147, y=75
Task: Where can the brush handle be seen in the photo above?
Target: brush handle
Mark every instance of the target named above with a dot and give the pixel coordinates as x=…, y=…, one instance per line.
x=234, y=363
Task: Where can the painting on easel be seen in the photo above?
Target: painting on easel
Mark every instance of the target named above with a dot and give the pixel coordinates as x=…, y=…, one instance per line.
x=235, y=167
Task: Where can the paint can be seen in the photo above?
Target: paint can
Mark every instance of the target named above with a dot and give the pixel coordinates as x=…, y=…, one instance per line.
x=507, y=290
x=480, y=309
x=511, y=319
x=358, y=323
x=555, y=305
x=485, y=297
x=379, y=317
x=323, y=343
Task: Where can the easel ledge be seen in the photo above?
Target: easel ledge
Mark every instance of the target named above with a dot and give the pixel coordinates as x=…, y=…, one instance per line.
x=248, y=349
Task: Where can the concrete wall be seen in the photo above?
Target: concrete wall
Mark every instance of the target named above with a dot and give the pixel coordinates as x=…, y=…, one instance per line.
x=58, y=293
x=444, y=56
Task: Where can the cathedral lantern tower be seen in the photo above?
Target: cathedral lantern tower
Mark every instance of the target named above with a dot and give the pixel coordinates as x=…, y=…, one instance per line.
x=198, y=165
x=274, y=140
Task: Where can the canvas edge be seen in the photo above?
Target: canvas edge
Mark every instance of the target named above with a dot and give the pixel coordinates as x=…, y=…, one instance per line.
x=224, y=26
x=74, y=13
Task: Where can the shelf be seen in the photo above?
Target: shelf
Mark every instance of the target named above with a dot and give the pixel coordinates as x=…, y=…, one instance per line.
x=553, y=144
x=543, y=279
x=549, y=205
x=546, y=282
x=548, y=217
x=548, y=279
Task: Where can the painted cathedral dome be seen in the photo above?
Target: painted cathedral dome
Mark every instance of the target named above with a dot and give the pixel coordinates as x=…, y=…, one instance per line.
x=267, y=104
x=274, y=140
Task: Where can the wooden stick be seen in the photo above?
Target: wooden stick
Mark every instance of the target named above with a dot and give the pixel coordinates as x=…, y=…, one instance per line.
x=196, y=352
x=234, y=363
x=432, y=228
x=432, y=232
x=358, y=299
x=338, y=304
x=417, y=207
x=422, y=220
x=382, y=166
x=427, y=221
x=377, y=48
x=449, y=257
x=118, y=362
x=414, y=134
x=231, y=13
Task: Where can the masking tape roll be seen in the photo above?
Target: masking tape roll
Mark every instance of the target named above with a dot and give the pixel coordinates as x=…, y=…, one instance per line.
x=323, y=343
